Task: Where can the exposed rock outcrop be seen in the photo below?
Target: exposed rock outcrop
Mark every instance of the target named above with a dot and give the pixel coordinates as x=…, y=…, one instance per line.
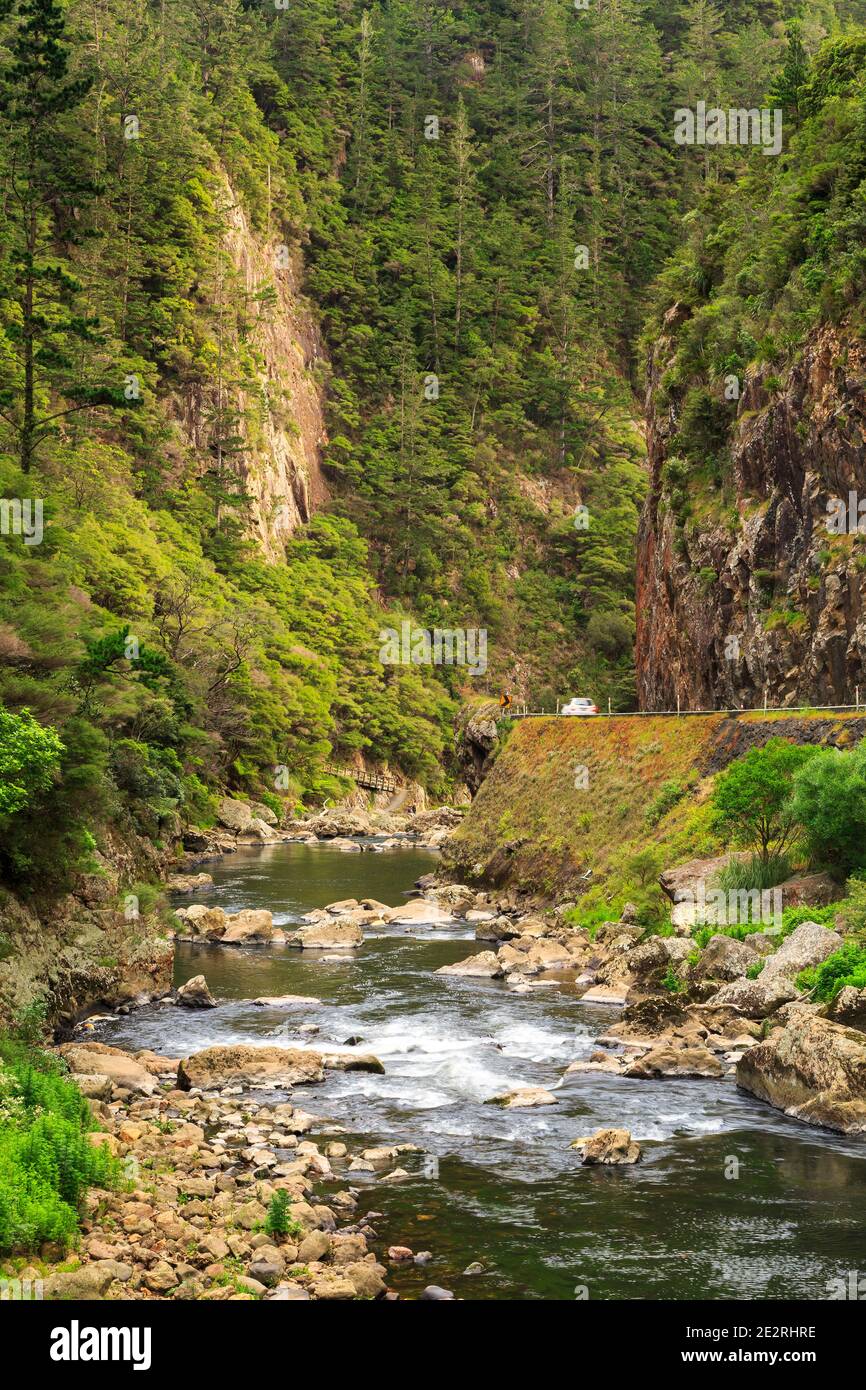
x=759, y=597
x=280, y=417
x=813, y=1069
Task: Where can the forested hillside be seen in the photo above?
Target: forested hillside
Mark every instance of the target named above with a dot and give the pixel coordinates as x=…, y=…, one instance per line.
x=312, y=318
x=750, y=563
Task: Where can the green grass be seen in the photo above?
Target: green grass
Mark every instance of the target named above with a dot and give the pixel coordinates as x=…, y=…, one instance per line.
x=750, y=874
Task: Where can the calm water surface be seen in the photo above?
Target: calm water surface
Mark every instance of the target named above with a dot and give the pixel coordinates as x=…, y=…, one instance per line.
x=502, y=1187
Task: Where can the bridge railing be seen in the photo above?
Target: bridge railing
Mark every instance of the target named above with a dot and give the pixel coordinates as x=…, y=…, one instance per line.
x=374, y=781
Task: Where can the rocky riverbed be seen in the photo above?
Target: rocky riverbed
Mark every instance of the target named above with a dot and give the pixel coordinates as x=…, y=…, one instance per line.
x=435, y=1114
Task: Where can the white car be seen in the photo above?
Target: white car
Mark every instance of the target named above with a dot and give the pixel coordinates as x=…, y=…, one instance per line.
x=579, y=706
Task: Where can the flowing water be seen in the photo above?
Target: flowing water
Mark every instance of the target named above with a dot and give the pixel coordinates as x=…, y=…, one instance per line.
x=502, y=1187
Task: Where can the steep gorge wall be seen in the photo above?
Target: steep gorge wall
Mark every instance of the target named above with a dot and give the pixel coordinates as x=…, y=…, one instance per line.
x=756, y=597
x=280, y=416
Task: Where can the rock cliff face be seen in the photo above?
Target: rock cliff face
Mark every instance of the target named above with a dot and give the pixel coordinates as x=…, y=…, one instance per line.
x=280, y=413
x=95, y=946
x=752, y=592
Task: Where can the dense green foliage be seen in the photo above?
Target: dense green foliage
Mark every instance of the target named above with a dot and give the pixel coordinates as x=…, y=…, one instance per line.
x=765, y=260
x=47, y=1160
x=752, y=799
x=830, y=804
x=843, y=968
x=784, y=794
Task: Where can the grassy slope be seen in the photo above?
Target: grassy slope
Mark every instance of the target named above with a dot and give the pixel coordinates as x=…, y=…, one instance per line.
x=534, y=825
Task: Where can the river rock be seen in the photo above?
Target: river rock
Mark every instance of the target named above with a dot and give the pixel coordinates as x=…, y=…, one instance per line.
x=754, y=998
x=524, y=1098
x=118, y=1066
x=598, y=1061
x=351, y=1061
x=849, y=1007
x=686, y=1062
x=270, y=1066
x=420, y=912
x=188, y=883
x=328, y=935
x=608, y=1146
x=529, y=956
x=813, y=1069
x=723, y=959
x=195, y=994
x=809, y=944
x=253, y=924
x=486, y=965
x=234, y=815
x=200, y=920
x=284, y=1001
x=263, y=812
x=261, y=829
x=605, y=994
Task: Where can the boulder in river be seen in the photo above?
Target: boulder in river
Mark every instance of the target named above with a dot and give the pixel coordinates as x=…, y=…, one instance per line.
x=605, y=994
x=188, y=883
x=524, y=1098
x=118, y=1066
x=253, y=924
x=329, y=935
x=351, y=1061
x=420, y=912
x=608, y=1146
x=685, y=1062
x=199, y=920
x=262, y=1066
x=486, y=965
x=813, y=1069
x=195, y=994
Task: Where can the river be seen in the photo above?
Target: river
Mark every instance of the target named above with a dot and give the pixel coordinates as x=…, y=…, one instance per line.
x=503, y=1188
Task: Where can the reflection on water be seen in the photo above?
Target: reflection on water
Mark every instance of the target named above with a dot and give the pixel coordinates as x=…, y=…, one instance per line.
x=505, y=1189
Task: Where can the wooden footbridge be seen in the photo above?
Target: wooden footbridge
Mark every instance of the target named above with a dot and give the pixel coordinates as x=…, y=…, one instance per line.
x=376, y=781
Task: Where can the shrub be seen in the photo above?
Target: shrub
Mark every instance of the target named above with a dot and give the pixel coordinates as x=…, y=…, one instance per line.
x=29, y=760
x=845, y=967
x=752, y=799
x=829, y=802
x=46, y=1158
x=668, y=795
x=279, y=1221
x=672, y=981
